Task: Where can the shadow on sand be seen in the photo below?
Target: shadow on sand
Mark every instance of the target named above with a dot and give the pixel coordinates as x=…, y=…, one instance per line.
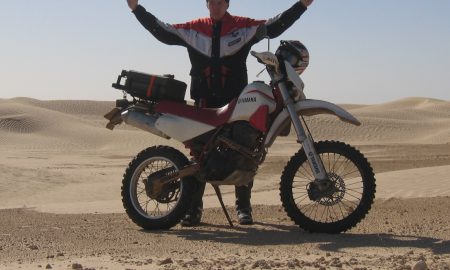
x=275, y=234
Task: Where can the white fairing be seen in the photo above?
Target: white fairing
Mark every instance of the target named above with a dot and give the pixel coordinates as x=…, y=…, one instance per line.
x=295, y=79
x=308, y=107
x=180, y=128
x=267, y=58
x=253, y=96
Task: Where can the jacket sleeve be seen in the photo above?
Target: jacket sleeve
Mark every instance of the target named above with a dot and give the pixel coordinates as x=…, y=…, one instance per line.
x=280, y=23
x=164, y=32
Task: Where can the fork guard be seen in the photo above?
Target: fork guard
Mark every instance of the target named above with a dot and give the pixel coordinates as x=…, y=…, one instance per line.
x=307, y=107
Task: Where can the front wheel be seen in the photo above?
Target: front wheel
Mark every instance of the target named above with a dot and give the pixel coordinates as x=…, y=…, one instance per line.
x=347, y=198
x=151, y=204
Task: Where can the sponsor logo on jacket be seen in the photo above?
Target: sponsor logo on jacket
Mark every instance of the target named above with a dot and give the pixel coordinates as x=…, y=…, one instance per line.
x=234, y=42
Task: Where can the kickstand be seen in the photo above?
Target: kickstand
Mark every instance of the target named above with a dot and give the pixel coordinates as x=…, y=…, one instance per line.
x=219, y=195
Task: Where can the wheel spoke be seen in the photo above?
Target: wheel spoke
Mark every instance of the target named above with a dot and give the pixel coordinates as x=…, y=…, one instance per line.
x=146, y=206
x=157, y=208
x=349, y=175
x=330, y=212
x=323, y=214
x=334, y=216
x=339, y=165
x=307, y=205
x=335, y=162
x=314, y=209
x=345, y=164
x=354, y=183
x=161, y=206
x=328, y=159
x=340, y=209
x=307, y=170
x=353, y=196
x=302, y=176
x=140, y=193
x=347, y=200
x=343, y=176
x=353, y=190
x=305, y=173
x=335, y=212
x=302, y=188
x=303, y=181
x=301, y=196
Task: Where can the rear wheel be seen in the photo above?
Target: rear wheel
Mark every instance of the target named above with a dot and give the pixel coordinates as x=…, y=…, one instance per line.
x=341, y=202
x=149, y=203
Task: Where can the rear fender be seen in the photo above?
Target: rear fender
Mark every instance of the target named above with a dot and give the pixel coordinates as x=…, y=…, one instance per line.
x=307, y=107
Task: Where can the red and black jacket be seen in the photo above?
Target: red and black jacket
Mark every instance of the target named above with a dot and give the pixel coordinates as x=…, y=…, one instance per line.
x=218, y=50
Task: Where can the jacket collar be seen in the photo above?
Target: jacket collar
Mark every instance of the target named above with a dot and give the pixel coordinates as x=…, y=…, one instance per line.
x=227, y=18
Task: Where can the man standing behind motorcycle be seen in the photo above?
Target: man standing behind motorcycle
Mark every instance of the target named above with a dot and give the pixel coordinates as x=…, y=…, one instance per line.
x=218, y=47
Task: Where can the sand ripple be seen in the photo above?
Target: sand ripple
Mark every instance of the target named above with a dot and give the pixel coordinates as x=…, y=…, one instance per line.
x=19, y=124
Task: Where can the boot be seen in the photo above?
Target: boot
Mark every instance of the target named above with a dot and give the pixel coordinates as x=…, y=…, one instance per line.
x=192, y=217
x=245, y=216
x=194, y=213
x=243, y=206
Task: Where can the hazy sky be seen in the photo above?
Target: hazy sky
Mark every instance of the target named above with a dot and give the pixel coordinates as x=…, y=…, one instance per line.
x=361, y=51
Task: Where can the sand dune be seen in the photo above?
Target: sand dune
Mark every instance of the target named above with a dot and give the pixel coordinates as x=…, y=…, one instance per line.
x=64, y=125
x=79, y=124
x=58, y=157
x=59, y=153
x=412, y=120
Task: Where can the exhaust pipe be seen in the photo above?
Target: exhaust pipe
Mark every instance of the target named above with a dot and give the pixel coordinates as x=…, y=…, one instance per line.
x=142, y=121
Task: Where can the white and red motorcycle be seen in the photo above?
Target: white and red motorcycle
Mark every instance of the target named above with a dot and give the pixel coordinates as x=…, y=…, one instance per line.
x=326, y=186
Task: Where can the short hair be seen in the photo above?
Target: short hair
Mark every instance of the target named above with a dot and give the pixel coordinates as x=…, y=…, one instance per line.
x=228, y=1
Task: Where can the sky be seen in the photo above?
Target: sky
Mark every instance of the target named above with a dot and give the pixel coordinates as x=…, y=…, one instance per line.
x=361, y=51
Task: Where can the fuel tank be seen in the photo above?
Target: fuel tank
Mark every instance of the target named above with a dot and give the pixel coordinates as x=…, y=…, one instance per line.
x=255, y=96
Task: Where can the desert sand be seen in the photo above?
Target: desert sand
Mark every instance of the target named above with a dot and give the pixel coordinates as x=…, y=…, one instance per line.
x=60, y=205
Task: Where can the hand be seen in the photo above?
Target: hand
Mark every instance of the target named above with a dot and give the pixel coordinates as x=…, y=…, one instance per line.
x=306, y=3
x=133, y=4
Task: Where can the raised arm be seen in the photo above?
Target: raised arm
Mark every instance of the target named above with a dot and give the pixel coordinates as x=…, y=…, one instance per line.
x=164, y=32
x=132, y=4
x=280, y=23
x=306, y=3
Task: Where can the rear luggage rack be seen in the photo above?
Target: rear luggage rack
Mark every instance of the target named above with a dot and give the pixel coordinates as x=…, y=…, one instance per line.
x=151, y=87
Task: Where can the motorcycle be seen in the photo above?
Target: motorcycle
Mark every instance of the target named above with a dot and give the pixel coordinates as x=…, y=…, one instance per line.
x=326, y=187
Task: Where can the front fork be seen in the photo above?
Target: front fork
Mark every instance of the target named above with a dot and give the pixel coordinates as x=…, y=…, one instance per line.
x=315, y=162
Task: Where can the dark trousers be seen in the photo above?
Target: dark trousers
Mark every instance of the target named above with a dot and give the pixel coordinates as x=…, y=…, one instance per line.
x=243, y=195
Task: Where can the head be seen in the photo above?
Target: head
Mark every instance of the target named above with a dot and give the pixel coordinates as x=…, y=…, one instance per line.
x=217, y=8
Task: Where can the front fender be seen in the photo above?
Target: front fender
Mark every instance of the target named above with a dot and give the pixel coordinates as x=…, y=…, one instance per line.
x=307, y=107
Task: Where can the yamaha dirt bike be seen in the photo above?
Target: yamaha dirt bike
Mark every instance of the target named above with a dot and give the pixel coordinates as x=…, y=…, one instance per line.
x=326, y=187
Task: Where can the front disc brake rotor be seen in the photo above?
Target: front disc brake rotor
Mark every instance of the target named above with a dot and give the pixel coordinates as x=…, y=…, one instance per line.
x=330, y=193
x=338, y=189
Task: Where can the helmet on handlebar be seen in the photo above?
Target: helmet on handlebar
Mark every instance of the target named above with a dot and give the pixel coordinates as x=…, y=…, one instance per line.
x=295, y=53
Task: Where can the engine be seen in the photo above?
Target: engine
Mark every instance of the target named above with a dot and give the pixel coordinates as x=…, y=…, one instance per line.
x=236, y=147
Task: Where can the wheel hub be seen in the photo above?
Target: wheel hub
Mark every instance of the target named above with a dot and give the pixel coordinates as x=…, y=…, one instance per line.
x=157, y=190
x=327, y=192
x=153, y=188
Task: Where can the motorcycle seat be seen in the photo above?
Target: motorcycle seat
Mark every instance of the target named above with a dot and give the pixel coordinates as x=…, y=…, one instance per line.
x=210, y=116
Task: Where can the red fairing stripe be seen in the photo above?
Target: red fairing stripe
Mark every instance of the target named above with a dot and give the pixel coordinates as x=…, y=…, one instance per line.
x=278, y=99
x=213, y=117
x=259, y=119
x=150, y=86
